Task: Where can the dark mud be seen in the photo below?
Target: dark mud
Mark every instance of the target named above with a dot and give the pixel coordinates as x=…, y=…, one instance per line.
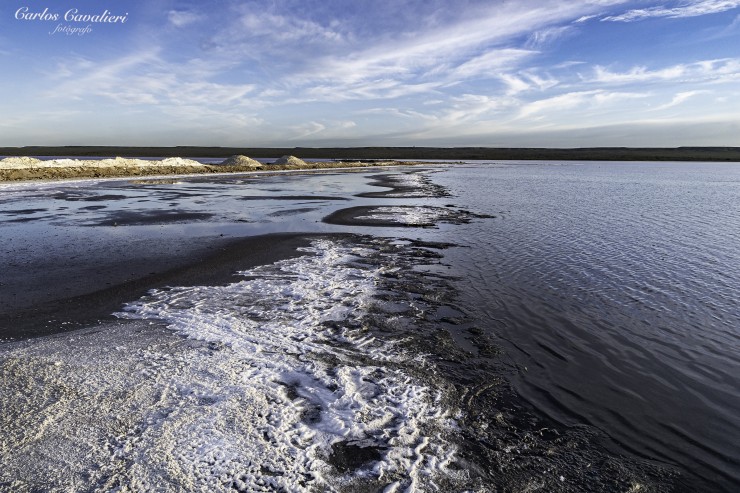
x=292, y=212
x=51, y=304
x=292, y=197
x=86, y=197
x=142, y=218
x=22, y=212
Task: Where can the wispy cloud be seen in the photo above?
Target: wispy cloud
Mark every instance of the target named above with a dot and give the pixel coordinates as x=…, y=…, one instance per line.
x=546, y=36
x=712, y=71
x=452, y=43
x=272, y=37
x=307, y=129
x=585, y=18
x=328, y=129
x=143, y=78
x=284, y=28
x=678, y=99
x=182, y=18
x=479, y=45
x=527, y=80
x=579, y=99
x=363, y=90
x=490, y=64
x=688, y=8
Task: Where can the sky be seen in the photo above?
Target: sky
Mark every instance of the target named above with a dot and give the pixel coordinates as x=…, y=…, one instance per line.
x=315, y=73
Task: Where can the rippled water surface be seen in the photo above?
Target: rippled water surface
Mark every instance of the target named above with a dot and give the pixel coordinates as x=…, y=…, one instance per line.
x=615, y=288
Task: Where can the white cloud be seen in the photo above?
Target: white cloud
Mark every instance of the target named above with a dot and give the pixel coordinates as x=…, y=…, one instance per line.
x=567, y=101
x=708, y=71
x=544, y=37
x=688, y=8
x=527, y=80
x=424, y=58
x=307, y=129
x=328, y=129
x=285, y=28
x=272, y=37
x=679, y=98
x=490, y=64
x=585, y=18
x=182, y=18
x=363, y=90
x=453, y=45
x=144, y=78
x=515, y=84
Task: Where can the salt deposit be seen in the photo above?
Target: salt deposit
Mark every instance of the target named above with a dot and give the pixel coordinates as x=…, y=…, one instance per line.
x=290, y=161
x=272, y=379
x=18, y=162
x=412, y=216
x=30, y=163
x=241, y=160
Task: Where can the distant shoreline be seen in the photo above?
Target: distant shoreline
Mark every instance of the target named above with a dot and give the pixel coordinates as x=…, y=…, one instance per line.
x=392, y=153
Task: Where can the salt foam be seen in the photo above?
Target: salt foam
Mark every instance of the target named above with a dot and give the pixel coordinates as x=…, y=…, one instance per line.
x=297, y=352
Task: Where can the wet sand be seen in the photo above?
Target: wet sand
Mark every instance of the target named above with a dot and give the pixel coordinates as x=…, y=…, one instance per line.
x=107, y=282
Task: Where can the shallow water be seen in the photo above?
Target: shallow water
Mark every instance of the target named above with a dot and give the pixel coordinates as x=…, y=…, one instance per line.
x=615, y=289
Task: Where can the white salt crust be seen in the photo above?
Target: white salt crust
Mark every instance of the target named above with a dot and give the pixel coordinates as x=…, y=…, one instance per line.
x=407, y=215
x=251, y=399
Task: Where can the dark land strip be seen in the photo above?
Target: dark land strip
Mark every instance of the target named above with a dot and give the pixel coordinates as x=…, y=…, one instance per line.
x=385, y=153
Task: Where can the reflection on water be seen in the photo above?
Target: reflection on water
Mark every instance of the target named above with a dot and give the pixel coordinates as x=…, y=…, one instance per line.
x=614, y=287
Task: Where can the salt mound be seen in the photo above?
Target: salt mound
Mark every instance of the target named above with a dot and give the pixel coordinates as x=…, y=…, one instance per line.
x=290, y=160
x=62, y=163
x=241, y=160
x=120, y=161
x=25, y=162
x=19, y=162
x=177, y=161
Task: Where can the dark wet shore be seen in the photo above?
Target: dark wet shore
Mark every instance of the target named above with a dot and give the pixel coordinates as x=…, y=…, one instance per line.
x=90, y=287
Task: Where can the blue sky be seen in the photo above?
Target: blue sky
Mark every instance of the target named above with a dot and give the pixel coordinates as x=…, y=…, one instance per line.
x=544, y=73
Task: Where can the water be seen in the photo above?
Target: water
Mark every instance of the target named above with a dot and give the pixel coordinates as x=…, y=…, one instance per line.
x=615, y=288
